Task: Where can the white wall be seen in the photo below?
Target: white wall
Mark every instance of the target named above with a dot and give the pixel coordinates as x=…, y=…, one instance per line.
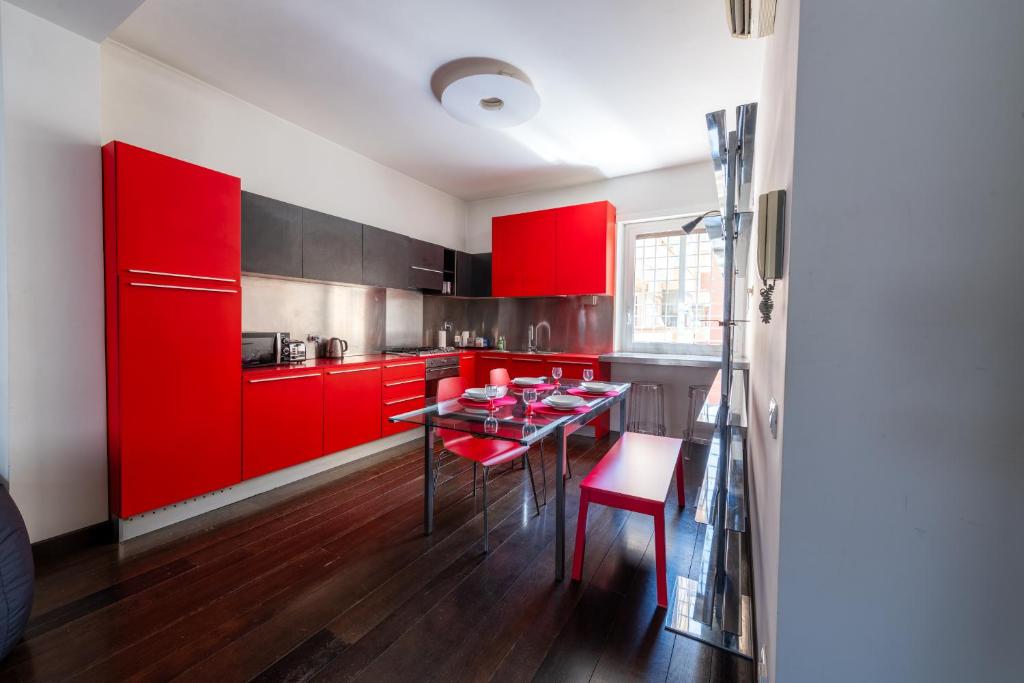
x=666, y=192
x=773, y=160
x=52, y=200
x=901, y=546
x=4, y=338
x=151, y=105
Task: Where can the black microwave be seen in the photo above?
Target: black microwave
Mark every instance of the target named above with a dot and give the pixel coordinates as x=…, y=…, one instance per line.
x=270, y=348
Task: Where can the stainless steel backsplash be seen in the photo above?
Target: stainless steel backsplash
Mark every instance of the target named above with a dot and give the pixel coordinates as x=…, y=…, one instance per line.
x=351, y=312
x=583, y=324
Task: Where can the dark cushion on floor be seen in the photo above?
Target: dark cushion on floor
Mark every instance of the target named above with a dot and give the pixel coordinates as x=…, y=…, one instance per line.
x=16, y=574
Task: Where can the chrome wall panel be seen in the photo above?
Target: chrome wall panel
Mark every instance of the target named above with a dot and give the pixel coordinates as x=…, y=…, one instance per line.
x=302, y=308
x=582, y=324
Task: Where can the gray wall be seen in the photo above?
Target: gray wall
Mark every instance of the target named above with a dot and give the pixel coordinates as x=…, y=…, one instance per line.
x=766, y=344
x=582, y=324
x=900, y=548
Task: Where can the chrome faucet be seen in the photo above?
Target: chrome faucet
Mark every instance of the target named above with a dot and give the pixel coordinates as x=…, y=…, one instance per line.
x=531, y=342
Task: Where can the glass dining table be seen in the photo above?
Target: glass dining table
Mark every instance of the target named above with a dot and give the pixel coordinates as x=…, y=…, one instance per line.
x=513, y=421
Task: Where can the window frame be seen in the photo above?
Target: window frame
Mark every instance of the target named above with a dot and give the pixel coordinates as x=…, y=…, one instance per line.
x=631, y=232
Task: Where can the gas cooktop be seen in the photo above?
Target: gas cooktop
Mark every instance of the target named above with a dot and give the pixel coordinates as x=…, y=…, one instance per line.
x=419, y=350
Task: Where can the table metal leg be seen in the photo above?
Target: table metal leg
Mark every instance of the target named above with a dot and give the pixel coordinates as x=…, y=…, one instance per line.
x=428, y=479
x=623, y=416
x=559, y=503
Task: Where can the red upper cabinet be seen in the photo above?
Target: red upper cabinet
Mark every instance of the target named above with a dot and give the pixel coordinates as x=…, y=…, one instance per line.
x=585, y=242
x=174, y=217
x=568, y=250
x=173, y=317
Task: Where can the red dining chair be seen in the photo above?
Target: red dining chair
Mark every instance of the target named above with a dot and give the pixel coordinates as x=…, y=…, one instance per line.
x=485, y=452
x=499, y=377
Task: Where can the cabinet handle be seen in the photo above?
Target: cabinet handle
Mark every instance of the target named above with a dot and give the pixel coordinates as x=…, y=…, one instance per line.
x=572, y=362
x=429, y=270
x=342, y=372
x=404, y=365
x=495, y=357
x=527, y=360
x=404, y=381
x=403, y=400
x=190, y=277
x=280, y=379
x=191, y=289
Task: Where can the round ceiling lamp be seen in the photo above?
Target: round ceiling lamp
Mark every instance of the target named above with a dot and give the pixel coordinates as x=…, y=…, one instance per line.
x=485, y=92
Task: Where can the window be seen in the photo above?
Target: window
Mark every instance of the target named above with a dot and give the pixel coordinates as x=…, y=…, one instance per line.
x=673, y=290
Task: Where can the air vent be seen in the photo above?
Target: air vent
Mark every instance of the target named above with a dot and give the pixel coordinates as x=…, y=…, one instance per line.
x=751, y=18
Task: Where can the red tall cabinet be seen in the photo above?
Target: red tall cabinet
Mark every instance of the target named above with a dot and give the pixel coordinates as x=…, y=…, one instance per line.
x=172, y=246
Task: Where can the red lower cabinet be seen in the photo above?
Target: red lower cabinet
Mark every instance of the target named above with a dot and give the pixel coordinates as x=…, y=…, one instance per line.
x=352, y=407
x=467, y=368
x=282, y=420
x=486, y=362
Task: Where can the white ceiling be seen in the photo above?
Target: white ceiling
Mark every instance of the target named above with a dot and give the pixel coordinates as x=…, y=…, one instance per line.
x=624, y=85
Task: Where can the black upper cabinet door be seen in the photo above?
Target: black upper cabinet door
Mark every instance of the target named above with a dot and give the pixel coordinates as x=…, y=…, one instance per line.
x=481, y=275
x=425, y=255
x=426, y=265
x=332, y=248
x=385, y=258
x=271, y=236
x=463, y=274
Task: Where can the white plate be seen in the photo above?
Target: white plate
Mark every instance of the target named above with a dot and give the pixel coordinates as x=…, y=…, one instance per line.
x=528, y=381
x=563, y=401
x=597, y=387
x=478, y=393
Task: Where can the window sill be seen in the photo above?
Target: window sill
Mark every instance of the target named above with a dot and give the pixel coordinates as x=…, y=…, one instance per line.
x=673, y=359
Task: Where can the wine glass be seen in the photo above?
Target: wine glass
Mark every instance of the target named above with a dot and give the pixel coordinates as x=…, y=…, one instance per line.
x=556, y=374
x=529, y=396
x=491, y=425
x=491, y=392
x=588, y=375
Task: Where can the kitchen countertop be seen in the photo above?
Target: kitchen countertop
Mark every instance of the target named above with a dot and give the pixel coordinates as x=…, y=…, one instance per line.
x=670, y=359
x=322, y=363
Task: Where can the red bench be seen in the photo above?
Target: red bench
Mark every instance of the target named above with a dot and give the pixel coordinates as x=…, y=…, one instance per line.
x=635, y=474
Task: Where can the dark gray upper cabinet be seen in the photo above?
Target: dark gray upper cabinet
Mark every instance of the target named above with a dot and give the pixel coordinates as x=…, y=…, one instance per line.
x=271, y=236
x=472, y=274
x=332, y=248
x=426, y=265
x=385, y=258
x=481, y=278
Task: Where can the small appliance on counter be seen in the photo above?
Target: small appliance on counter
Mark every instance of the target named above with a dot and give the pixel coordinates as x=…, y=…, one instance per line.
x=336, y=348
x=271, y=348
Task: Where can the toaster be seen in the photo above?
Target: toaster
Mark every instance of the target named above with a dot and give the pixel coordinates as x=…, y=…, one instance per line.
x=293, y=351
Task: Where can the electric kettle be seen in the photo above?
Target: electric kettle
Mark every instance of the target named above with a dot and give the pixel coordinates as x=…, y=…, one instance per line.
x=336, y=348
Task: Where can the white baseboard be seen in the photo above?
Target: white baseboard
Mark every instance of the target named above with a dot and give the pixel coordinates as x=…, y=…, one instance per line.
x=136, y=526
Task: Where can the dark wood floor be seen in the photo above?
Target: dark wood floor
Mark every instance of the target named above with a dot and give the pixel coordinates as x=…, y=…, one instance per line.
x=333, y=579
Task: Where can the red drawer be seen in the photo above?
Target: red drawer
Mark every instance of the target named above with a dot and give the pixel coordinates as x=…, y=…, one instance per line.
x=397, y=406
x=403, y=388
x=404, y=369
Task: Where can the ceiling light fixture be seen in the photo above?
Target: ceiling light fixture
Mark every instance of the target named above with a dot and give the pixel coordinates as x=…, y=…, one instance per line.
x=485, y=92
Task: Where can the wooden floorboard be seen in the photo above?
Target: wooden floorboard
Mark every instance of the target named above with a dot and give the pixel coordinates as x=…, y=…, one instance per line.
x=333, y=579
